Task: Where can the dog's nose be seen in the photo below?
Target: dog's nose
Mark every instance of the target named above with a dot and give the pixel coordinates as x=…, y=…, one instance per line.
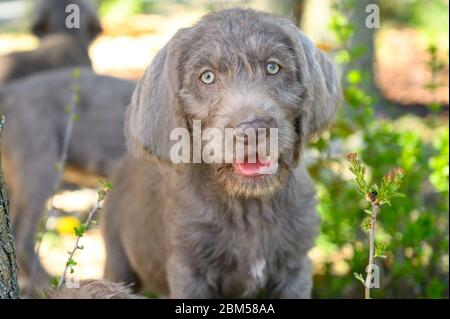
x=256, y=123
x=259, y=125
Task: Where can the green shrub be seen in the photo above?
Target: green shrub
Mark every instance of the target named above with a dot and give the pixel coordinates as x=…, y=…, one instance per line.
x=415, y=228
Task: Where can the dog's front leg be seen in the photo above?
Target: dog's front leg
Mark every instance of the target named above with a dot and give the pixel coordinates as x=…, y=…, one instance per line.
x=294, y=283
x=183, y=283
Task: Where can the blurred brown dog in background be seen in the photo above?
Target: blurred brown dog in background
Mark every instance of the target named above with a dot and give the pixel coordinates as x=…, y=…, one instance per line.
x=32, y=140
x=59, y=45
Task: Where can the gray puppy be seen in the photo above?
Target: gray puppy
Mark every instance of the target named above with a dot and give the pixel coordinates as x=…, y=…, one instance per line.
x=36, y=118
x=59, y=45
x=209, y=230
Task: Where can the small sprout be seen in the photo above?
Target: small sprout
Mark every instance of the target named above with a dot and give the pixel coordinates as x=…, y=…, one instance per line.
x=53, y=282
x=359, y=277
x=71, y=262
x=105, y=188
x=376, y=196
x=380, y=249
x=101, y=194
x=390, y=184
x=352, y=157
x=80, y=230
x=106, y=184
x=359, y=171
x=366, y=224
x=395, y=175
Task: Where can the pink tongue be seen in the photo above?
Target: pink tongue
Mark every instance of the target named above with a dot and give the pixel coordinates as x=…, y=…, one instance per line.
x=252, y=169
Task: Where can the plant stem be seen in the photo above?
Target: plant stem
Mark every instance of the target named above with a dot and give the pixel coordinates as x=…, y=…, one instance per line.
x=62, y=279
x=373, y=219
x=56, y=182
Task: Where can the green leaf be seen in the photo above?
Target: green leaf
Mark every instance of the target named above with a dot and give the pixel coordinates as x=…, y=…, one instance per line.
x=359, y=277
x=71, y=262
x=80, y=230
x=106, y=184
x=53, y=282
x=380, y=249
x=366, y=224
x=101, y=194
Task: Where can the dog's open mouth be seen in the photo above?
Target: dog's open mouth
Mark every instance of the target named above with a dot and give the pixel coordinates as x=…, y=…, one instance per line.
x=260, y=167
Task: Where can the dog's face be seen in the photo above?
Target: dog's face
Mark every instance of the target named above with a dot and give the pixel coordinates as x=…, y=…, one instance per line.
x=50, y=17
x=236, y=69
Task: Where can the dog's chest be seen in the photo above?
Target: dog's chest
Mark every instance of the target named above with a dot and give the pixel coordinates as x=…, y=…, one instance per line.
x=243, y=256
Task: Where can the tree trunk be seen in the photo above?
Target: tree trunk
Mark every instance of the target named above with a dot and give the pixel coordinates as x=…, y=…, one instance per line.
x=9, y=289
x=363, y=36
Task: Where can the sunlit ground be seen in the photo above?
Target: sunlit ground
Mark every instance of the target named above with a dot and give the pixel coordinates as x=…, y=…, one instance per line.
x=59, y=239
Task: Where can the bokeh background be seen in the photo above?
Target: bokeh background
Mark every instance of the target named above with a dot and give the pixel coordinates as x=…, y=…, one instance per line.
x=394, y=113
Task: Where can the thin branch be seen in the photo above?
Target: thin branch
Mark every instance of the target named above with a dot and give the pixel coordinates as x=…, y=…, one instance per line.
x=373, y=219
x=60, y=165
x=62, y=279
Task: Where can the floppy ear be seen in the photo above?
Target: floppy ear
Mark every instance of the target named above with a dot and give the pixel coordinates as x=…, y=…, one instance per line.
x=154, y=111
x=321, y=82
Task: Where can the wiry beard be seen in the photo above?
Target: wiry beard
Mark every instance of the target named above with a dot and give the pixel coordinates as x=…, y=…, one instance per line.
x=255, y=187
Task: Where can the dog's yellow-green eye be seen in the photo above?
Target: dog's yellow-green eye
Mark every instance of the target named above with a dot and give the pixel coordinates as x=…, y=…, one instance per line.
x=272, y=68
x=208, y=77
